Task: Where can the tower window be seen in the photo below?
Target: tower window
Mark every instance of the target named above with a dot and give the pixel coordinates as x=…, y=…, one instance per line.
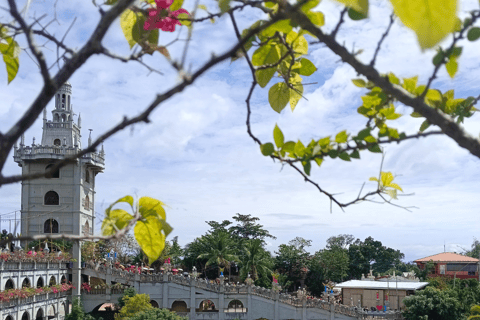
x=51, y=198
x=87, y=203
x=56, y=118
x=87, y=176
x=64, y=118
x=57, y=142
x=63, y=101
x=56, y=174
x=50, y=226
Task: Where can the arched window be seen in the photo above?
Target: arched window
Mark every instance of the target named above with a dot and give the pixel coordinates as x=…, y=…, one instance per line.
x=87, y=176
x=39, y=315
x=207, y=306
x=40, y=282
x=154, y=304
x=50, y=226
x=86, y=228
x=63, y=279
x=68, y=104
x=235, y=306
x=26, y=283
x=25, y=316
x=179, y=306
x=9, y=318
x=51, y=199
x=56, y=174
x=87, y=203
x=52, y=281
x=69, y=118
x=63, y=101
x=56, y=118
x=57, y=142
x=64, y=118
x=9, y=284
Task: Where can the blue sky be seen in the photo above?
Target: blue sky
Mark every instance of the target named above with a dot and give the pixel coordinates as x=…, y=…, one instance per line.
x=197, y=157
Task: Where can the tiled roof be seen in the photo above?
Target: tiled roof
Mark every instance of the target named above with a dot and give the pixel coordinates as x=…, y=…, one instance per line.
x=447, y=257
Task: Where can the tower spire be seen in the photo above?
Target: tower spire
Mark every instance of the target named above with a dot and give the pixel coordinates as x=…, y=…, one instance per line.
x=90, y=137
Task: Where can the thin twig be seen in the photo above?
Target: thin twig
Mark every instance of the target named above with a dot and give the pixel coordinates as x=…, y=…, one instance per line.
x=384, y=36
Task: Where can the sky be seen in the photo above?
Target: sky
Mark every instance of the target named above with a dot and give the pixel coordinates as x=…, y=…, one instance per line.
x=196, y=156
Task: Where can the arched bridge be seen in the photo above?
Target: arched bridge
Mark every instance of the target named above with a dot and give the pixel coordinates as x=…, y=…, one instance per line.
x=199, y=299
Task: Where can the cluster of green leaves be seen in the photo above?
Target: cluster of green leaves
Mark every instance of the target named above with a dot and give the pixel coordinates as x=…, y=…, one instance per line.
x=281, y=51
x=157, y=314
x=133, y=305
x=10, y=51
x=132, y=22
x=150, y=229
x=386, y=185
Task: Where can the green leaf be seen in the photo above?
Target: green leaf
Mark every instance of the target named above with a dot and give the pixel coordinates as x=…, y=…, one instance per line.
x=359, y=83
x=392, y=193
x=431, y=20
x=364, y=133
x=473, y=34
x=318, y=161
x=127, y=23
x=355, y=15
x=416, y=115
x=111, y=2
x=278, y=136
x=295, y=95
x=333, y=154
x=344, y=156
x=289, y=146
x=309, y=5
x=116, y=220
x=265, y=55
x=298, y=42
x=151, y=207
x=410, y=84
x=393, y=78
x=183, y=19
x=177, y=4
x=278, y=96
x=370, y=139
x=424, y=126
x=317, y=18
x=355, y=154
x=149, y=237
x=283, y=26
x=299, y=149
x=307, y=68
x=452, y=66
x=375, y=148
x=341, y=137
x=361, y=6
x=267, y=149
x=224, y=5
x=307, y=166
x=10, y=51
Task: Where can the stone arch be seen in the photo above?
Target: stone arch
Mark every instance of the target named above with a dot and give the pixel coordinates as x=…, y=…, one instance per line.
x=62, y=312
x=26, y=283
x=9, y=284
x=63, y=101
x=64, y=118
x=207, y=306
x=9, y=317
x=87, y=202
x=26, y=316
x=51, y=199
x=56, y=117
x=50, y=226
x=57, y=142
x=40, y=282
x=235, y=306
x=154, y=304
x=39, y=315
x=179, y=306
x=56, y=174
x=69, y=107
x=52, y=281
x=51, y=311
x=63, y=279
x=69, y=118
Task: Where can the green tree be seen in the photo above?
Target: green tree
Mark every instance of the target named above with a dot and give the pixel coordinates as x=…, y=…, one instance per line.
x=77, y=312
x=128, y=292
x=134, y=305
x=157, y=314
x=255, y=260
x=220, y=249
x=247, y=228
x=474, y=251
x=293, y=260
x=342, y=241
x=432, y=303
x=474, y=312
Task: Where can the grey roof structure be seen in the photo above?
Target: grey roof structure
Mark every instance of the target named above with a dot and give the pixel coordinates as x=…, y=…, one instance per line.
x=382, y=285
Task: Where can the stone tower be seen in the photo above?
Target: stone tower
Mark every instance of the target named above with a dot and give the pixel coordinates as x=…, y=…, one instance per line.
x=63, y=203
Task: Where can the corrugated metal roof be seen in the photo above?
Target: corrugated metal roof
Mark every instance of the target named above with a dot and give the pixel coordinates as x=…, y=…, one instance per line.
x=447, y=257
x=381, y=285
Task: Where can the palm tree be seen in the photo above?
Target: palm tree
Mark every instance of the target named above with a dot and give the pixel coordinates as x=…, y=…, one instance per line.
x=219, y=248
x=255, y=261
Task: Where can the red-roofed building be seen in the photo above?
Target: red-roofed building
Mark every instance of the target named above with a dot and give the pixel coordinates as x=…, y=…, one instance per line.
x=451, y=265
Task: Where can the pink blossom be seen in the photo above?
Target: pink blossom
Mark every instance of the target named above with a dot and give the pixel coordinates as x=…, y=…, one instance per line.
x=162, y=17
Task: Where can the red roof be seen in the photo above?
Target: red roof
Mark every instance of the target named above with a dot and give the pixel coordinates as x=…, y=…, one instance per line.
x=447, y=257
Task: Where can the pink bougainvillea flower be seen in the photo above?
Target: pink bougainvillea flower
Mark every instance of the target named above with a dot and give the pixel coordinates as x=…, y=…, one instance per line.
x=162, y=17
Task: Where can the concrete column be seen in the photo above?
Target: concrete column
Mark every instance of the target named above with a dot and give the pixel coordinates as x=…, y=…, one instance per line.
x=137, y=282
x=76, y=270
x=108, y=280
x=332, y=311
x=304, y=309
x=276, y=314
x=249, y=303
x=193, y=303
x=165, y=291
x=221, y=302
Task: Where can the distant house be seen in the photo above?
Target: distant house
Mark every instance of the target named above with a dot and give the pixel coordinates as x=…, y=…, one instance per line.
x=452, y=265
x=378, y=294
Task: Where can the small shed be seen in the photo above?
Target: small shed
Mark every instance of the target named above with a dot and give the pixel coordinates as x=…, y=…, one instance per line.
x=378, y=294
